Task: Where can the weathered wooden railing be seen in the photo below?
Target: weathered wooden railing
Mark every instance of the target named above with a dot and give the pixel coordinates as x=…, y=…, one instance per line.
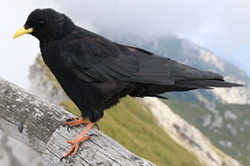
x=40, y=123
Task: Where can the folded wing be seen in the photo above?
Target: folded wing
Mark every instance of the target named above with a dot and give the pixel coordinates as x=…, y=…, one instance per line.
x=104, y=61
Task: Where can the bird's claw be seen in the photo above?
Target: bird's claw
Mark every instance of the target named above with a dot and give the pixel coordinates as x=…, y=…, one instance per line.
x=80, y=138
x=97, y=126
x=62, y=158
x=68, y=120
x=93, y=135
x=70, y=159
x=69, y=127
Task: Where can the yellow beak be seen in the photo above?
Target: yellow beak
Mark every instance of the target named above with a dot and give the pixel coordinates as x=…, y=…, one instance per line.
x=22, y=31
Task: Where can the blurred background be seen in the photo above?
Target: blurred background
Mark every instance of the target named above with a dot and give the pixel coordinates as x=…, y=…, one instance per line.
x=209, y=34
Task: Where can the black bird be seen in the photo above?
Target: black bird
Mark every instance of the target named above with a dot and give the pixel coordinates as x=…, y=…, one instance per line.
x=96, y=72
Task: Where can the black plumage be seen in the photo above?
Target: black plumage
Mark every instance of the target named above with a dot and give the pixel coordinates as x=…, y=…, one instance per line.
x=96, y=72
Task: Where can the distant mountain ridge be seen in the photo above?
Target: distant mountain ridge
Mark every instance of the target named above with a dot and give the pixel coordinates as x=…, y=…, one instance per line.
x=196, y=56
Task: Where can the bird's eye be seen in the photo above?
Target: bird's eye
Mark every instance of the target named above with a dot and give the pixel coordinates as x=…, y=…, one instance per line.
x=39, y=22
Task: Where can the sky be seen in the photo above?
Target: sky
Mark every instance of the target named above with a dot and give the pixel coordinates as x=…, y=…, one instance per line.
x=221, y=26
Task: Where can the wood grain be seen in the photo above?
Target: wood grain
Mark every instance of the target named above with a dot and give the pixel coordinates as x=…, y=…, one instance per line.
x=42, y=130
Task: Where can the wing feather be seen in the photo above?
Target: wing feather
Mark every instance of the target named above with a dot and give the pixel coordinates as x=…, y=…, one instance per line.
x=103, y=60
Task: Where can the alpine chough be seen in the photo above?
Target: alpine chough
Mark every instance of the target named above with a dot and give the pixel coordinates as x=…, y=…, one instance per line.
x=96, y=72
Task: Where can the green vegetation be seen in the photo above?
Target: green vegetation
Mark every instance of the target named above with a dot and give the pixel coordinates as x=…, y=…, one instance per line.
x=232, y=137
x=131, y=124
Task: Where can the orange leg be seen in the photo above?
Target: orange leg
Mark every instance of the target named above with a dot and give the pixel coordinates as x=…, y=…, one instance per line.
x=80, y=138
x=76, y=122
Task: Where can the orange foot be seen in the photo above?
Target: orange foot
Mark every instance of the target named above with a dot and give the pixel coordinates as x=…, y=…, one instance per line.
x=80, y=138
x=76, y=121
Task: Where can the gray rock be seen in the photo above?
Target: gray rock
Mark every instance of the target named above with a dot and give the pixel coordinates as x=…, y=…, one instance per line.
x=206, y=120
x=230, y=115
x=217, y=121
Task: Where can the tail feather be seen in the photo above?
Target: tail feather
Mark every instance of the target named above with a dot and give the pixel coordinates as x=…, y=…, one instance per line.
x=158, y=74
x=206, y=84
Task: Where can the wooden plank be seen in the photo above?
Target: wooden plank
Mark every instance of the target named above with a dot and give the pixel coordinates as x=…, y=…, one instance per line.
x=42, y=130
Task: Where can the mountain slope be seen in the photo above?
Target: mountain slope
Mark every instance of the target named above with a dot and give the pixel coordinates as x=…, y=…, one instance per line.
x=227, y=126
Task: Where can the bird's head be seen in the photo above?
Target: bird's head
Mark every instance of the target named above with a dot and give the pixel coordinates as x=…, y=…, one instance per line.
x=45, y=25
